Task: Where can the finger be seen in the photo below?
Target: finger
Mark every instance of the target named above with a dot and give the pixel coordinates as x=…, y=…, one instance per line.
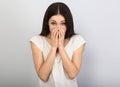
x=57, y=32
x=61, y=33
x=54, y=32
x=57, y=35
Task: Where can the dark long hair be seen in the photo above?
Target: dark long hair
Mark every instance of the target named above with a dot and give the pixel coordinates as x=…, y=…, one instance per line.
x=62, y=9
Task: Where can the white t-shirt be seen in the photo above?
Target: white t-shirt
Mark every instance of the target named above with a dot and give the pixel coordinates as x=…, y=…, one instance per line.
x=58, y=76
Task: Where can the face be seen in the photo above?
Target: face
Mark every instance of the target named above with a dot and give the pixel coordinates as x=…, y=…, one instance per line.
x=57, y=22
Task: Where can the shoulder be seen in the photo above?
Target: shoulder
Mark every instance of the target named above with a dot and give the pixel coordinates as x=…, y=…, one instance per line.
x=77, y=41
x=77, y=37
x=36, y=37
x=37, y=40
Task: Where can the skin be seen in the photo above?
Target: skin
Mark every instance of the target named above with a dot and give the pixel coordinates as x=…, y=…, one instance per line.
x=57, y=40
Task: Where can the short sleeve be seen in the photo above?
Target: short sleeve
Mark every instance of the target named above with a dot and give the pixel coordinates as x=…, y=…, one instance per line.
x=78, y=41
x=37, y=40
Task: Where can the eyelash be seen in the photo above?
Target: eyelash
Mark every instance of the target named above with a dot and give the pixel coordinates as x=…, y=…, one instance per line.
x=53, y=23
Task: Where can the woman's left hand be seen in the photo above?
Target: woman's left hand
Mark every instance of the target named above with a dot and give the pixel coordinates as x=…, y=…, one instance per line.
x=61, y=37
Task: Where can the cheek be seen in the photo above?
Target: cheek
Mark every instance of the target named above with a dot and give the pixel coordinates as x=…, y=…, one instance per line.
x=51, y=27
x=64, y=28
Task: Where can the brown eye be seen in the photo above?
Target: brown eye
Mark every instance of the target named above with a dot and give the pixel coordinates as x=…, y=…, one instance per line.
x=53, y=23
x=63, y=23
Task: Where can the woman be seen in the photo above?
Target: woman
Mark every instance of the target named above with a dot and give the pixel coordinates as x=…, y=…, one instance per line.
x=57, y=51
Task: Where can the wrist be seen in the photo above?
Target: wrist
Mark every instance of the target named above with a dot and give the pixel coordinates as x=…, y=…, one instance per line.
x=61, y=48
x=54, y=48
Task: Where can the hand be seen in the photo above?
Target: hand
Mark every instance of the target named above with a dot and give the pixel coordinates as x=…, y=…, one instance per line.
x=61, y=37
x=54, y=38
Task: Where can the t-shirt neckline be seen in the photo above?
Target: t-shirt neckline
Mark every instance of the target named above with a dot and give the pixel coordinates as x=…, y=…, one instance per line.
x=65, y=45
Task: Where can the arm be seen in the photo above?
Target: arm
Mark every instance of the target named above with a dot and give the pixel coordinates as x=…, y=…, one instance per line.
x=72, y=67
x=43, y=68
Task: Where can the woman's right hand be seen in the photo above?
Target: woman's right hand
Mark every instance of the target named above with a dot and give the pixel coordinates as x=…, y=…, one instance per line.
x=54, y=38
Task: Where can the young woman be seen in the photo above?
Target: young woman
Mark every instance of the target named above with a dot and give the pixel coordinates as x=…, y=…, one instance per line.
x=57, y=51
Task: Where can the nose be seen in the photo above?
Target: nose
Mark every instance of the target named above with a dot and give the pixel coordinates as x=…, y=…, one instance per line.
x=58, y=26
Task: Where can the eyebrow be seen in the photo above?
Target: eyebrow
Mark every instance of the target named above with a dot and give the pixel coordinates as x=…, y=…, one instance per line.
x=61, y=21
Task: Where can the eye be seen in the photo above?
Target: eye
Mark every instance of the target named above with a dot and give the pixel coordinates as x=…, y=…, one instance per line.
x=53, y=23
x=63, y=23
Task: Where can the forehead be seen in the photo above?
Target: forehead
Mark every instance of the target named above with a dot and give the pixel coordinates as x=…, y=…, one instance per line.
x=57, y=18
